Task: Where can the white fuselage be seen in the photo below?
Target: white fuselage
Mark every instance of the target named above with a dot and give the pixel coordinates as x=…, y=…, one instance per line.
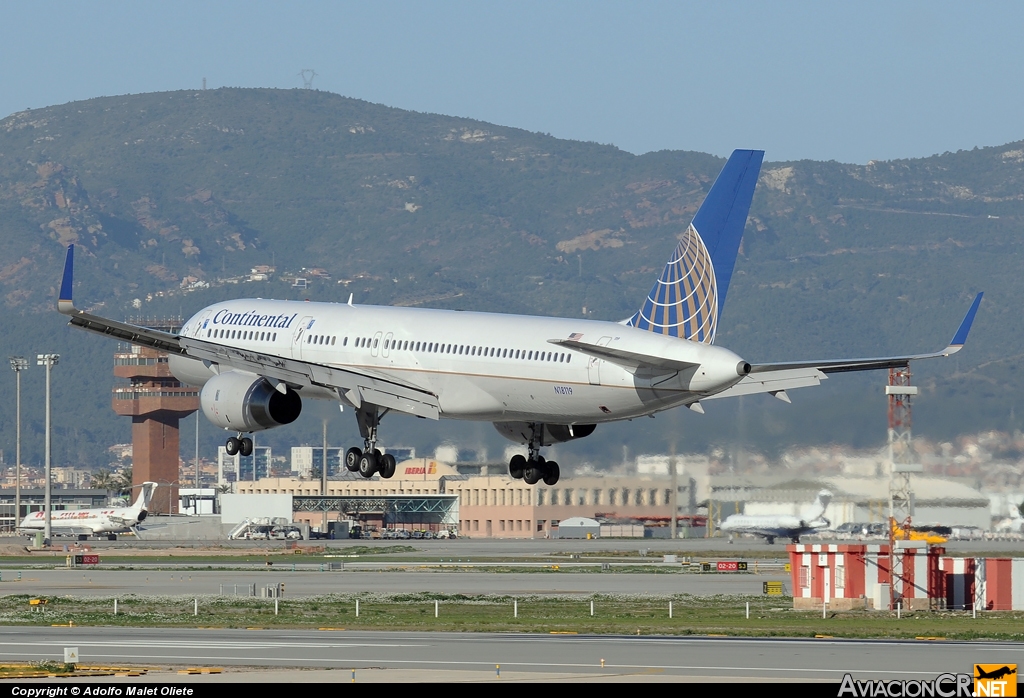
x=771, y=526
x=481, y=366
x=102, y=520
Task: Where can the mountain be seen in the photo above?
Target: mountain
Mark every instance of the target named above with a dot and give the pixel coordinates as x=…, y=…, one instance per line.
x=166, y=190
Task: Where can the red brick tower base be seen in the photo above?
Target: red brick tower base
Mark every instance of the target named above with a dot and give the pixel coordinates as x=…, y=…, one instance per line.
x=156, y=402
x=155, y=450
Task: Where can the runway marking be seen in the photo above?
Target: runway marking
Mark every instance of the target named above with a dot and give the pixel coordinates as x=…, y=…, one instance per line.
x=261, y=659
x=633, y=668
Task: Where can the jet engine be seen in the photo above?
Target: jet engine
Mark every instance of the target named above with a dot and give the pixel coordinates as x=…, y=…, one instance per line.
x=247, y=402
x=550, y=434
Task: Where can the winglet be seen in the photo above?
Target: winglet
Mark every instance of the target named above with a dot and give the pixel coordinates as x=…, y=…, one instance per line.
x=960, y=337
x=64, y=302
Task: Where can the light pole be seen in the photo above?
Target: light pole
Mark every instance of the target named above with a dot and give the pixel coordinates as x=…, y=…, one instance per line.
x=49, y=361
x=19, y=364
x=197, y=453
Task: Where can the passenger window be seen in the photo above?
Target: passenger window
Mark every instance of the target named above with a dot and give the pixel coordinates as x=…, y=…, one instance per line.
x=333, y=340
x=274, y=338
x=344, y=342
x=375, y=341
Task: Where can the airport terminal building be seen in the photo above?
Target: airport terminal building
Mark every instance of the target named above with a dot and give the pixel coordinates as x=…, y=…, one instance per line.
x=496, y=506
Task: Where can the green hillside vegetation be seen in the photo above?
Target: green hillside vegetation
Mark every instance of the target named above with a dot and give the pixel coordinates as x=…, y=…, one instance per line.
x=398, y=207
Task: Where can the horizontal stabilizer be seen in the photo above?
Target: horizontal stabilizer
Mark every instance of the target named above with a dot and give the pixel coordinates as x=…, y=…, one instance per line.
x=773, y=382
x=631, y=361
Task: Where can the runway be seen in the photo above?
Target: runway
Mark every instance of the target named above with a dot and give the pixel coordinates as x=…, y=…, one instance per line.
x=525, y=548
x=173, y=582
x=434, y=656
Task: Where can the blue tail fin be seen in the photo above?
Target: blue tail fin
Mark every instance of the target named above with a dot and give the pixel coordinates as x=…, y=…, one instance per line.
x=688, y=298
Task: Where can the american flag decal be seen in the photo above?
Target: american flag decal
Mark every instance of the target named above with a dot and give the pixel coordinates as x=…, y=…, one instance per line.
x=575, y=336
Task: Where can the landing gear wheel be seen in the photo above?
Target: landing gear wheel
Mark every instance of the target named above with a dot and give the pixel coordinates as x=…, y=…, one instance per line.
x=368, y=464
x=770, y=539
x=112, y=536
x=233, y=445
x=533, y=473
x=550, y=473
x=245, y=448
x=352, y=457
x=388, y=465
x=516, y=466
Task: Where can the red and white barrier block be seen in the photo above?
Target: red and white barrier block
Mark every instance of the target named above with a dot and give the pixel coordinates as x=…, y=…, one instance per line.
x=990, y=584
x=854, y=576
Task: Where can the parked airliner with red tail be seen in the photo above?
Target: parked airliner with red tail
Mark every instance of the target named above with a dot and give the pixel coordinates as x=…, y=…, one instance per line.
x=540, y=380
x=102, y=522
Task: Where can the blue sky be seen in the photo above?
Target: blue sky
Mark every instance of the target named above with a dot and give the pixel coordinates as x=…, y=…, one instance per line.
x=843, y=81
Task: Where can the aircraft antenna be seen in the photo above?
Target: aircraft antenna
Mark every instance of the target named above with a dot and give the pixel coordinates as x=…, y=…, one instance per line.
x=903, y=461
x=307, y=75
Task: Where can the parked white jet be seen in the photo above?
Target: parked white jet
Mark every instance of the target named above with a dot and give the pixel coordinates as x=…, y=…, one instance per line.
x=540, y=380
x=105, y=521
x=772, y=527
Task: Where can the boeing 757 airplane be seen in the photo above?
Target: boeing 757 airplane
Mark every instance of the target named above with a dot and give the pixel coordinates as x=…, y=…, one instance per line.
x=105, y=521
x=540, y=380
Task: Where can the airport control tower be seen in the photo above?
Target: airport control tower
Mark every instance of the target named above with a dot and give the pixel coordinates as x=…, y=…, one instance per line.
x=155, y=401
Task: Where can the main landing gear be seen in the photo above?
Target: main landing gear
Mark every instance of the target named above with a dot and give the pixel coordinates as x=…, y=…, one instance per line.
x=369, y=460
x=239, y=444
x=534, y=468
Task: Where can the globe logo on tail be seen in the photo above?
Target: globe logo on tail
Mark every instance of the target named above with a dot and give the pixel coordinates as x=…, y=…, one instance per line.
x=684, y=302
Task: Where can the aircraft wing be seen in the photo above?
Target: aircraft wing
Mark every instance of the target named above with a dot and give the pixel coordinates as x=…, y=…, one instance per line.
x=65, y=530
x=354, y=386
x=777, y=378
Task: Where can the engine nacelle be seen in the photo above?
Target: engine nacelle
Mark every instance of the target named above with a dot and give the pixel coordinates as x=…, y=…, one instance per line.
x=188, y=370
x=246, y=402
x=550, y=433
